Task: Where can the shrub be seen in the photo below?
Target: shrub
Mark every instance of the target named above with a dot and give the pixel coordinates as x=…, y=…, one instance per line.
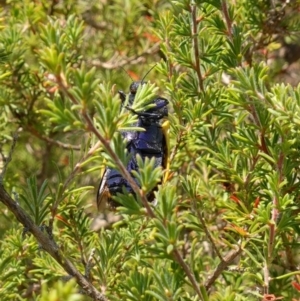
x=226, y=225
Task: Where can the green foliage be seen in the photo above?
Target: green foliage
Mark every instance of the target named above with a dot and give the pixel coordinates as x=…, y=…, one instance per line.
x=36, y=201
x=63, y=291
x=226, y=224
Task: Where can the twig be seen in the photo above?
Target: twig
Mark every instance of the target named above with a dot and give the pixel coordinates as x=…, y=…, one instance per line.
x=78, y=165
x=272, y=228
x=271, y=242
x=49, y=245
x=65, y=88
x=227, y=18
x=89, y=264
x=188, y=272
x=175, y=148
x=67, y=182
x=266, y=278
x=206, y=231
x=111, y=64
x=52, y=141
x=7, y=159
x=196, y=46
x=78, y=239
x=222, y=266
x=117, y=62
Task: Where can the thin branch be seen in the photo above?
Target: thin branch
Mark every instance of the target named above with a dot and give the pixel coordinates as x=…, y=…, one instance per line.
x=197, y=66
x=89, y=264
x=272, y=224
x=227, y=18
x=121, y=166
x=52, y=141
x=272, y=227
x=106, y=144
x=175, y=148
x=121, y=62
x=49, y=245
x=266, y=278
x=7, y=159
x=271, y=243
x=117, y=61
x=222, y=266
x=207, y=232
x=188, y=272
x=67, y=182
x=78, y=239
x=124, y=172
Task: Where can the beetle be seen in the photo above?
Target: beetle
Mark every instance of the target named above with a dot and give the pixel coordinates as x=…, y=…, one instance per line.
x=151, y=143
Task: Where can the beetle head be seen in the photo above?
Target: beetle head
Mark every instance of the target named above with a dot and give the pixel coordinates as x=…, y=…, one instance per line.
x=134, y=86
x=133, y=89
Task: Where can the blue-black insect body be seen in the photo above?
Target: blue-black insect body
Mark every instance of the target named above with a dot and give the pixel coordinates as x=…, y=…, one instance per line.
x=151, y=143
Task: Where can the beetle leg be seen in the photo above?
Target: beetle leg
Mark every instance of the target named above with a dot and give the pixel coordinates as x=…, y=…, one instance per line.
x=146, y=114
x=122, y=96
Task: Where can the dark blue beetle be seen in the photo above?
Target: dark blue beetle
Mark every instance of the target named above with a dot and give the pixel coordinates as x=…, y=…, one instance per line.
x=149, y=143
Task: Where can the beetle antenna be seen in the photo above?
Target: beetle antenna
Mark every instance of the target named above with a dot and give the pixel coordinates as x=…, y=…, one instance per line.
x=148, y=73
x=127, y=73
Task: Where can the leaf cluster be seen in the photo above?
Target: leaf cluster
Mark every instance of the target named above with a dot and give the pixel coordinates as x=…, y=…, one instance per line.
x=226, y=223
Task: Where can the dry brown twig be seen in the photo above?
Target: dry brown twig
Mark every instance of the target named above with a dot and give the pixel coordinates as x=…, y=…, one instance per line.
x=228, y=259
x=49, y=245
x=46, y=242
x=118, y=61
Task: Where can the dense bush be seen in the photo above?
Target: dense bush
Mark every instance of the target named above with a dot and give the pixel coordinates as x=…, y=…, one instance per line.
x=226, y=226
